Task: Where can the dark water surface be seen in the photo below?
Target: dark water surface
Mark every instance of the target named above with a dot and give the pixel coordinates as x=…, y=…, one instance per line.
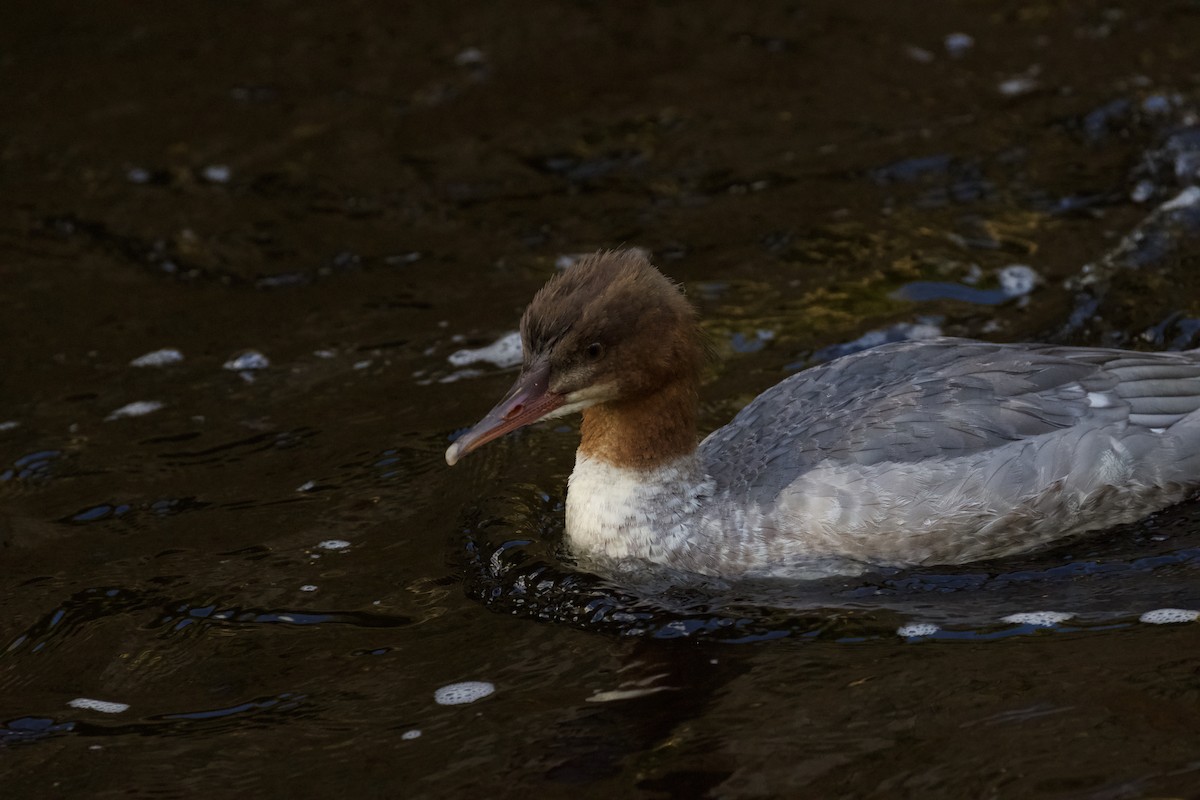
x=265, y=563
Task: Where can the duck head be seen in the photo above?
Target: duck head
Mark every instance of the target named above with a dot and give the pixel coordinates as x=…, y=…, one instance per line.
x=610, y=330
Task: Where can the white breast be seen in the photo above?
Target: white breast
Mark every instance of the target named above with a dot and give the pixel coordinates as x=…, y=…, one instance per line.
x=621, y=513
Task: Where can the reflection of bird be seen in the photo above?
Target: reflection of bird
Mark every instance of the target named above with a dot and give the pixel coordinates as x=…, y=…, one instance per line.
x=932, y=452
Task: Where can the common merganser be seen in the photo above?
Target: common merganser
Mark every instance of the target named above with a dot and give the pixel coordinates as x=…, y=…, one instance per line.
x=942, y=451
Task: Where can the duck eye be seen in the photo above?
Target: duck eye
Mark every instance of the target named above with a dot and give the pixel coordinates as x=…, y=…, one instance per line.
x=594, y=350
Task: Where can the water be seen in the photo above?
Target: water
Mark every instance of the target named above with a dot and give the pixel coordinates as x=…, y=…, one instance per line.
x=259, y=578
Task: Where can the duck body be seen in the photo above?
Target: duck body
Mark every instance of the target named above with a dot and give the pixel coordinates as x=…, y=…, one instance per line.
x=936, y=452
x=916, y=453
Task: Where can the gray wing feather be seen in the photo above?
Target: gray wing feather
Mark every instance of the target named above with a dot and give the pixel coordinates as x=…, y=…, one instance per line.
x=947, y=398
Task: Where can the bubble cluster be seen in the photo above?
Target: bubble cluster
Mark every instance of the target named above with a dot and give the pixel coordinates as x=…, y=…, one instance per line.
x=1017, y=280
x=248, y=360
x=1167, y=616
x=103, y=706
x=1042, y=619
x=457, y=694
x=915, y=629
x=158, y=358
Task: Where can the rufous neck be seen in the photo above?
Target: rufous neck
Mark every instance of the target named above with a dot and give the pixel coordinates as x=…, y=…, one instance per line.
x=644, y=432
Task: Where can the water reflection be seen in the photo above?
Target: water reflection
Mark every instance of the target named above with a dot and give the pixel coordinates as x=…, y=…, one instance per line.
x=32, y=467
x=25, y=730
x=80, y=612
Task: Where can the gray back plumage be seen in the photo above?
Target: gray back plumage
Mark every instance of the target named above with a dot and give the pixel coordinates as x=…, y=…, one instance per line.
x=946, y=399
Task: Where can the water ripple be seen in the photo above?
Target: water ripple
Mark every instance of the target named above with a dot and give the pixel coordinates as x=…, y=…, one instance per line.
x=1121, y=575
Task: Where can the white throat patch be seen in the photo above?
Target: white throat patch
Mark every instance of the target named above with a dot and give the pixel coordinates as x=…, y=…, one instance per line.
x=620, y=512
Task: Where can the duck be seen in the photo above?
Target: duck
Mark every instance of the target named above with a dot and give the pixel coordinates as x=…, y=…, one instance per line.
x=935, y=452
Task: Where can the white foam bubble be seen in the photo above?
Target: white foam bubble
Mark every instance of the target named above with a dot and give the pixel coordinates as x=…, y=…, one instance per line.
x=1188, y=197
x=957, y=44
x=1142, y=191
x=914, y=629
x=1017, y=280
x=409, y=735
x=1044, y=619
x=308, y=587
x=1022, y=84
x=1167, y=616
x=158, y=358
x=456, y=694
x=103, y=706
x=504, y=352
x=333, y=544
x=9, y=425
x=217, y=173
x=137, y=408
x=250, y=359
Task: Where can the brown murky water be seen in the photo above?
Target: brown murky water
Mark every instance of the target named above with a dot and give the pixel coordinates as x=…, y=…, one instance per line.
x=267, y=566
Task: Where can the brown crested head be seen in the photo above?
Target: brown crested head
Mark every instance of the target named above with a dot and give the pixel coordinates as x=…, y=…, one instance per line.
x=614, y=338
x=616, y=324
